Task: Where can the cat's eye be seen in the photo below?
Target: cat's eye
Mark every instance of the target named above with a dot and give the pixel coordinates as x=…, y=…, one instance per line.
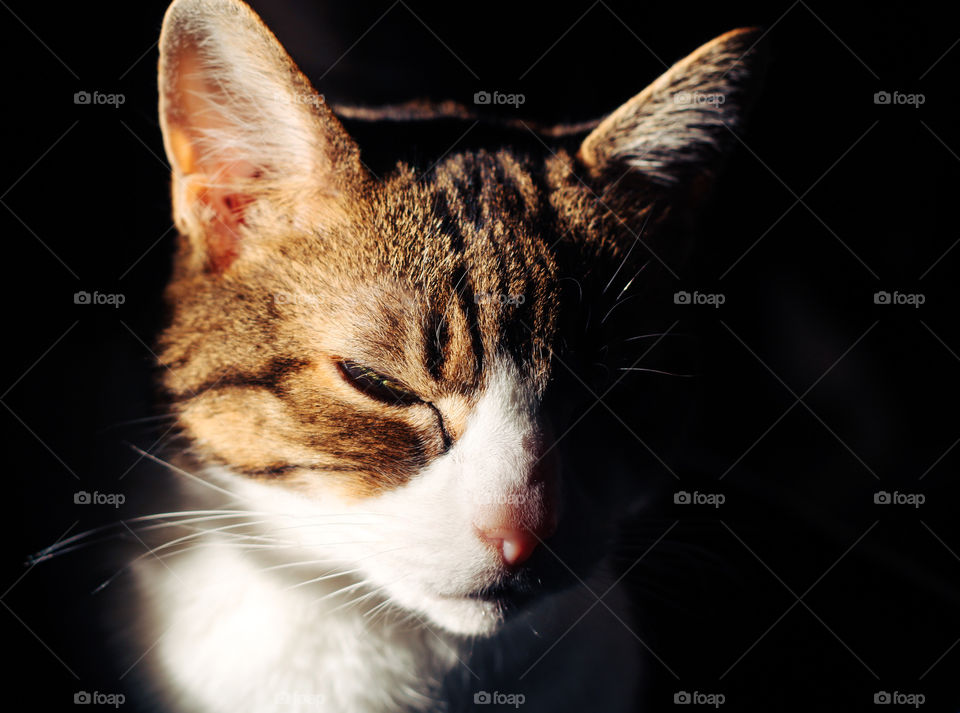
x=376, y=385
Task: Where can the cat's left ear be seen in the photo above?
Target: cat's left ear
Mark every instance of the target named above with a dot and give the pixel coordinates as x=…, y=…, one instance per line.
x=673, y=134
x=252, y=146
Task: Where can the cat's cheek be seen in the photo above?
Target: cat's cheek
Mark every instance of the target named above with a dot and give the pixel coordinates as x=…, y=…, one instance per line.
x=245, y=428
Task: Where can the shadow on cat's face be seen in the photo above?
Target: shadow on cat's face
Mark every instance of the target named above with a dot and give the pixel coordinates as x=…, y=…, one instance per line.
x=371, y=357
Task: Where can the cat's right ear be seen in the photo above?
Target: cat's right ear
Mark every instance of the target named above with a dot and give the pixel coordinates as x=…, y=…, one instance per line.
x=251, y=144
x=670, y=139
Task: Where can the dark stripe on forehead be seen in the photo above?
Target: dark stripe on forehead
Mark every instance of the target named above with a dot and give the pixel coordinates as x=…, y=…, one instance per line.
x=468, y=302
x=450, y=221
x=494, y=216
x=435, y=339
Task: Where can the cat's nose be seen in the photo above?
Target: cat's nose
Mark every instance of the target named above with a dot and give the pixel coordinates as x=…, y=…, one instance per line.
x=517, y=521
x=514, y=546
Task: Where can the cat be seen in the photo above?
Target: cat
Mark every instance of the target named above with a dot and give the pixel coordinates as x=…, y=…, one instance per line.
x=368, y=375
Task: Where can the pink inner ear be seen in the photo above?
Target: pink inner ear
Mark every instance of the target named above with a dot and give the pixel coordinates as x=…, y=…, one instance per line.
x=223, y=236
x=196, y=109
x=229, y=206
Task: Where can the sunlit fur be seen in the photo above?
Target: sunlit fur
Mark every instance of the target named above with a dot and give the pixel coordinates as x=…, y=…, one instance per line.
x=348, y=571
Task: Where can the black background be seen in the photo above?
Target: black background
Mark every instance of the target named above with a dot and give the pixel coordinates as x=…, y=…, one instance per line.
x=84, y=192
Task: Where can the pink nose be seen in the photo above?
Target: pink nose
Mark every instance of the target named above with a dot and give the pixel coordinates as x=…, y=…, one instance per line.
x=516, y=526
x=515, y=546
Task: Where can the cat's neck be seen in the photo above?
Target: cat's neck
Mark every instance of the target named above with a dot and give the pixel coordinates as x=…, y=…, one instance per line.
x=226, y=626
x=233, y=635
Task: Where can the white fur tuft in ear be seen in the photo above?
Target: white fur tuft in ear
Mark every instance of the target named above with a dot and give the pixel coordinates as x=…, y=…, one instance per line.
x=680, y=124
x=245, y=133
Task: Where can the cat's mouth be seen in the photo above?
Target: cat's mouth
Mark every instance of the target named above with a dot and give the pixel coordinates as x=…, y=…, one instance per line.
x=482, y=612
x=485, y=610
x=499, y=601
x=508, y=596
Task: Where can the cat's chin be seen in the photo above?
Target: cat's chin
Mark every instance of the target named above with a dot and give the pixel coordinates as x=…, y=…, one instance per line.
x=466, y=616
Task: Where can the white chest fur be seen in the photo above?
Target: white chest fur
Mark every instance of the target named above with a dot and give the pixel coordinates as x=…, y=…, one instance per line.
x=234, y=637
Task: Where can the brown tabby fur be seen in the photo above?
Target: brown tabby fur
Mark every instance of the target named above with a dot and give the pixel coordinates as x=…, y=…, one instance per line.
x=293, y=256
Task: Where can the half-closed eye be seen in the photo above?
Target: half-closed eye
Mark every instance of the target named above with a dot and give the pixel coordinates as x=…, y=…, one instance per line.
x=376, y=385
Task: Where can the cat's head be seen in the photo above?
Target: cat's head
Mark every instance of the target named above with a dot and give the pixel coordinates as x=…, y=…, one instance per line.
x=346, y=345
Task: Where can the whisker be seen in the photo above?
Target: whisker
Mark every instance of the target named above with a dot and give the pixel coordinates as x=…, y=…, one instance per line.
x=625, y=299
x=630, y=281
x=66, y=547
x=627, y=256
x=377, y=590
x=349, y=587
x=153, y=551
x=656, y=371
x=181, y=471
x=82, y=540
x=133, y=421
x=372, y=554
x=324, y=578
x=655, y=334
x=191, y=548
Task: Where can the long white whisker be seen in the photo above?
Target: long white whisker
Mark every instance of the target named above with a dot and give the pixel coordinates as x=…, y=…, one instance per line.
x=627, y=256
x=656, y=334
x=181, y=523
x=349, y=587
x=656, y=371
x=153, y=551
x=625, y=299
x=181, y=471
x=325, y=577
x=119, y=523
x=372, y=554
x=630, y=281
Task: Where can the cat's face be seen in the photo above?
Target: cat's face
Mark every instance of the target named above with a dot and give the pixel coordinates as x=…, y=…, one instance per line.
x=371, y=357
